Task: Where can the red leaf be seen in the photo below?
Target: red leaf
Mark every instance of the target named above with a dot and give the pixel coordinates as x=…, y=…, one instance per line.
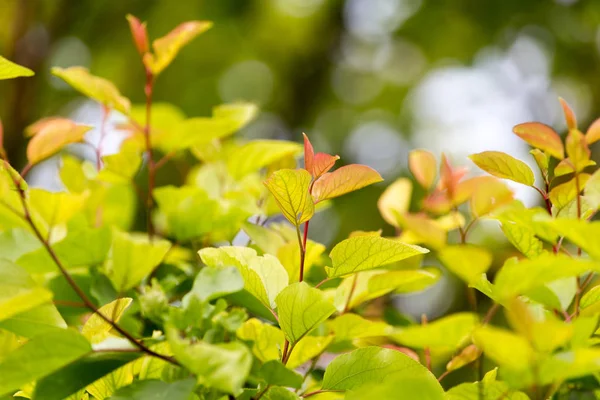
x=542, y=137
x=309, y=154
x=139, y=34
x=322, y=163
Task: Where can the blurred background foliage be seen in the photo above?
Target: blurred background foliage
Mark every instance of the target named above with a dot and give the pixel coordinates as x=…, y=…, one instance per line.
x=367, y=79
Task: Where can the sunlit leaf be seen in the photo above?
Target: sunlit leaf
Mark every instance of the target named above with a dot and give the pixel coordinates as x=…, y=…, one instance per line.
x=344, y=180
x=590, y=302
x=224, y=366
x=504, y=347
x=516, y=278
x=289, y=255
x=18, y=291
x=56, y=207
x=290, y=187
x=577, y=150
x=542, y=160
x=561, y=195
x=423, y=167
x=523, y=238
x=10, y=70
x=542, y=137
x=466, y=261
x=582, y=233
x=94, y=87
x=362, y=253
x=97, y=329
x=484, y=391
x=395, y=200
x=319, y=163
x=50, y=135
x=139, y=34
x=40, y=356
x=264, y=276
x=300, y=309
x=258, y=154
x=275, y=373
x=352, y=326
x=267, y=339
x=374, y=365
x=421, y=229
x=504, y=166
x=212, y=283
x=466, y=356
x=268, y=240
x=34, y=321
x=446, y=334
x=167, y=47
x=134, y=256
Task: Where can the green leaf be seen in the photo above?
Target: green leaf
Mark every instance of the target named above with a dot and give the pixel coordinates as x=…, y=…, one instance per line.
x=446, y=334
x=223, y=366
x=504, y=166
x=79, y=374
x=523, y=238
x=10, y=70
x=466, y=261
x=167, y=47
x=484, y=391
x=344, y=180
x=290, y=187
x=590, y=302
x=289, y=255
x=395, y=200
x=258, y=154
x=16, y=242
x=264, y=276
x=406, y=281
x=212, y=283
x=154, y=389
x=581, y=233
x=80, y=248
x=301, y=308
x=561, y=195
x=542, y=137
x=374, y=365
x=307, y=349
x=351, y=326
x=134, y=256
x=96, y=329
x=34, y=321
x=279, y=393
x=18, y=291
x=267, y=339
x=516, y=278
x=267, y=239
x=504, y=347
x=94, y=87
x=56, y=208
x=275, y=373
x=362, y=253
x=106, y=386
x=40, y=356
x=120, y=167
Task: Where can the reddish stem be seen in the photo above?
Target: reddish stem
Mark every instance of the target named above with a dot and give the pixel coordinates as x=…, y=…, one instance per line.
x=26, y=170
x=105, y=113
x=148, y=90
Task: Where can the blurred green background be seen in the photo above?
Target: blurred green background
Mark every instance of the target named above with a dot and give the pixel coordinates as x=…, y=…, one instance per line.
x=366, y=79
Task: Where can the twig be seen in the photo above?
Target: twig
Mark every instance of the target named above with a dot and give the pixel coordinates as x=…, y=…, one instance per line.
x=352, y=289
x=148, y=89
x=320, y=391
x=88, y=303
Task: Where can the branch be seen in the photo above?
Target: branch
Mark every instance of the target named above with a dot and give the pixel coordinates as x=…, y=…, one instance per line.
x=86, y=300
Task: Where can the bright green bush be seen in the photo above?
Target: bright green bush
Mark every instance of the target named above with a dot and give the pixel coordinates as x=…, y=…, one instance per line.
x=89, y=309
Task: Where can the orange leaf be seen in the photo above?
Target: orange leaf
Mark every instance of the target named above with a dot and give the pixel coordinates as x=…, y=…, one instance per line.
x=422, y=165
x=569, y=114
x=542, y=137
x=450, y=176
x=322, y=163
x=344, y=180
x=139, y=34
x=437, y=202
x=593, y=133
x=50, y=135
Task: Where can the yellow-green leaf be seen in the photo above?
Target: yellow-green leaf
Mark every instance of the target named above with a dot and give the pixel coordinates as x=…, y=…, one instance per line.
x=504, y=347
x=445, y=334
x=97, y=329
x=289, y=255
x=504, y=166
x=9, y=70
x=542, y=137
x=51, y=135
x=94, y=87
x=167, y=47
x=258, y=154
x=301, y=308
x=395, y=200
x=264, y=276
x=344, y=180
x=590, y=302
x=466, y=261
x=267, y=339
x=423, y=167
x=362, y=253
x=290, y=187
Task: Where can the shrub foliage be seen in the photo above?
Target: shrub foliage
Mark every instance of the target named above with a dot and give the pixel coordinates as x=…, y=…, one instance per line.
x=91, y=309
